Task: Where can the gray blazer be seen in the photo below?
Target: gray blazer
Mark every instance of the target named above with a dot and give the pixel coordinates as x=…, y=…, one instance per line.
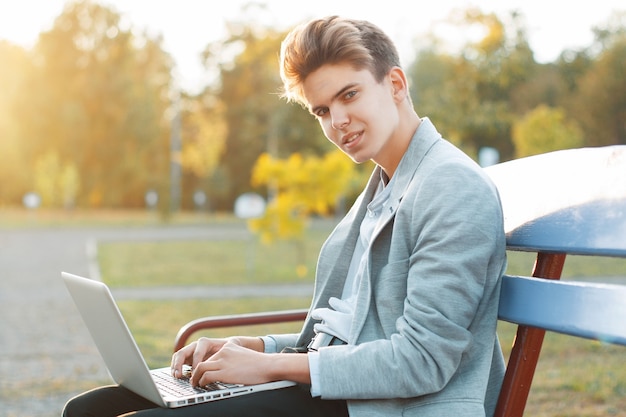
x=423, y=339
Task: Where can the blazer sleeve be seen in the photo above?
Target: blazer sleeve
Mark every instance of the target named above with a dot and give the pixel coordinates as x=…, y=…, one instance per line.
x=282, y=341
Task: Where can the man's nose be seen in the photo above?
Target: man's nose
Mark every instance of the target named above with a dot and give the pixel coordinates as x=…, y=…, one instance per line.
x=339, y=119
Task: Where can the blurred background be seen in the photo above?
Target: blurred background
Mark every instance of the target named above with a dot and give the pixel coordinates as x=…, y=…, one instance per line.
x=128, y=104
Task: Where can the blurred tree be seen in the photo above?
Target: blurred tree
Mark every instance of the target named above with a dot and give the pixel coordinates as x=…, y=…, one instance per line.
x=470, y=94
x=599, y=102
x=543, y=130
x=546, y=87
x=434, y=93
x=572, y=65
x=203, y=134
x=69, y=185
x=13, y=166
x=97, y=96
x=57, y=183
x=258, y=121
x=46, y=172
x=612, y=32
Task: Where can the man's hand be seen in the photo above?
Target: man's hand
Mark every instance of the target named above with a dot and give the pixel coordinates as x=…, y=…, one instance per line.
x=238, y=360
x=204, y=348
x=233, y=364
x=194, y=353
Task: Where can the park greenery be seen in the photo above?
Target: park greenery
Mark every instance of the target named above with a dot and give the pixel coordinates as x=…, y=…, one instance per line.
x=91, y=117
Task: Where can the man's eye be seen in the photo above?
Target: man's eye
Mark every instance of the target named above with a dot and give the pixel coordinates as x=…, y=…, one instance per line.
x=321, y=112
x=350, y=94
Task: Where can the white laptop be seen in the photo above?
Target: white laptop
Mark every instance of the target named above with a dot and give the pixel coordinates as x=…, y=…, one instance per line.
x=124, y=361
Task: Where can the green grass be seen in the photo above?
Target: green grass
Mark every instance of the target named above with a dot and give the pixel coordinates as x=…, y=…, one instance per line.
x=140, y=264
x=574, y=377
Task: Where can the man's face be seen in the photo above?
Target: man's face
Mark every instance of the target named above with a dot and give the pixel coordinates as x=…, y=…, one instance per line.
x=357, y=114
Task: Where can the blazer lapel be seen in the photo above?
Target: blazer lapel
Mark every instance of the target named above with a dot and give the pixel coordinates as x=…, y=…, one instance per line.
x=337, y=252
x=423, y=139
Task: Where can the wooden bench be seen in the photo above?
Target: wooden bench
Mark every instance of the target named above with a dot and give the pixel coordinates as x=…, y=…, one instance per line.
x=555, y=204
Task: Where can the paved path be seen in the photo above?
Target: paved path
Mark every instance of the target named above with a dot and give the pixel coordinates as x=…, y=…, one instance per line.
x=44, y=345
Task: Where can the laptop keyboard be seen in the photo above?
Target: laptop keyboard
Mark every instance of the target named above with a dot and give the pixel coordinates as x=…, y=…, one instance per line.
x=181, y=387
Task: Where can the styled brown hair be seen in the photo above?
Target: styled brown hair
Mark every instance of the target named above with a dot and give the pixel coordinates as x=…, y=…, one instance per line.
x=333, y=40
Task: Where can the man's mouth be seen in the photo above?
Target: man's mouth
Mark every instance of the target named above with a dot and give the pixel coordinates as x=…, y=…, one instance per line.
x=348, y=139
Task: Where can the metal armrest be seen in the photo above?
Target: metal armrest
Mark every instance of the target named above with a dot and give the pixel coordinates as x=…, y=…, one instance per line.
x=269, y=317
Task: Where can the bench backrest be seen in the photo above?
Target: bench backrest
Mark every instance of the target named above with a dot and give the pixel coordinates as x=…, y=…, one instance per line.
x=555, y=204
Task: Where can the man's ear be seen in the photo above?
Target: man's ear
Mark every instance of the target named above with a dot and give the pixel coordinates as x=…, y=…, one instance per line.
x=399, y=84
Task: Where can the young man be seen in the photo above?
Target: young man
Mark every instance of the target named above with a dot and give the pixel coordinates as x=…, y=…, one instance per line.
x=403, y=317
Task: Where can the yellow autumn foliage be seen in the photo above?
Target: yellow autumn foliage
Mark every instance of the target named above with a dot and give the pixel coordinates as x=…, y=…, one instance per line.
x=302, y=186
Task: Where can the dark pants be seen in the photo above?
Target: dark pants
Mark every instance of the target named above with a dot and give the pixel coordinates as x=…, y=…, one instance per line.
x=113, y=401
